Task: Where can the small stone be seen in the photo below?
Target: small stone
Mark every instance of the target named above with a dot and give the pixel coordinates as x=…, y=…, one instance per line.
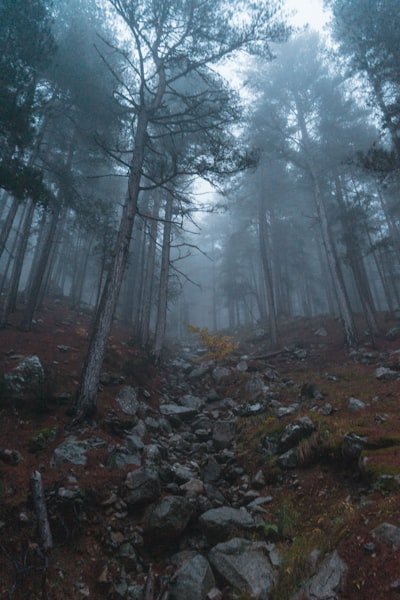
x=395, y=586
x=242, y=366
x=110, y=500
x=214, y=594
x=370, y=547
x=23, y=517
x=354, y=404
x=117, y=537
x=326, y=410
x=63, y=349
x=386, y=374
x=258, y=480
x=321, y=332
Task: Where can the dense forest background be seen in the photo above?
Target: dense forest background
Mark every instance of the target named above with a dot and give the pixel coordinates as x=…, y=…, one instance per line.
x=187, y=162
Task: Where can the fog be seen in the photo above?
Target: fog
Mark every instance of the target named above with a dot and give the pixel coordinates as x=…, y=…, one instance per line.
x=142, y=181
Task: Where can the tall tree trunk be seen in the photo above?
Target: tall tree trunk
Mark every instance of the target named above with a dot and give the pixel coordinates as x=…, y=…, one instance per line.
x=334, y=266
x=267, y=271
x=164, y=277
x=144, y=330
x=345, y=312
x=356, y=262
x=32, y=300
x=10, y=299
x=86, y=400
x=8, y=223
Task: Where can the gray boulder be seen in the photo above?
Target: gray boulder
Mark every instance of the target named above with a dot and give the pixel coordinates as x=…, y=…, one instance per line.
x=26, y=376
x=223, y=434
x=74, y=451
x=289, y=459
x=245, y=566
x=294, y=433
x=180, y=413
x=119, y=458
x=128, y=400
x=133, y=442
x=327, y=582
x=168, y=518
x=388, y=534
x=143, y=486
x=254, y=388
x=191, y=401
x=211, y=470
x=353, y=445
x=194, y=579
x=219, y=524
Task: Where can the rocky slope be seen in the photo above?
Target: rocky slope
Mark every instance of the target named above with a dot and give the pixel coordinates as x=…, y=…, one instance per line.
x=271, y=475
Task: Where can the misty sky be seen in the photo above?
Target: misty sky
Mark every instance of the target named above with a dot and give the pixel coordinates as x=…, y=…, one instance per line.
x=308, y=12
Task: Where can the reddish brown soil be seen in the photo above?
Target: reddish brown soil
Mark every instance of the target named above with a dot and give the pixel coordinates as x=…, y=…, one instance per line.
x=324, y=501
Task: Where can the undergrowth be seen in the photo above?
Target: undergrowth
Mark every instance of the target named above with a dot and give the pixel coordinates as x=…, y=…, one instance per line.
x=219, y=346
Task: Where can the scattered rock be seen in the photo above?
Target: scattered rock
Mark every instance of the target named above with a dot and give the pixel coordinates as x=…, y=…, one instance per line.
x=74, y=451
x=199, y=371
x=193, y=580
x=120, y=457
x=354, y=404
x=27, y=376
x=294, y=433
x=386, y=374
x=284, y=411
x=191, y=401
x=326, y=410
x=245, y=566
x=220, y=373
x=254, y=387
x=168, y=518
x=223, y=434
x=328, y=582
x=128, y=400
x=242, y=366
x=218, y=524
x=393, y=333
x=143, y=486
x=182, y=413
x=388, y=534
x=289, y=460
x=310, y=390
x=321, y=332
x=62, y=348
x=353, y=445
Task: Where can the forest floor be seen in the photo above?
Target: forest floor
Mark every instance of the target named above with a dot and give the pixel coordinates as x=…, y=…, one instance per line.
x=327, y=502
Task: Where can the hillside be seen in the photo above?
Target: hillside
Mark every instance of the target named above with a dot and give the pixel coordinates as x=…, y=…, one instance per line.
x=295, y=452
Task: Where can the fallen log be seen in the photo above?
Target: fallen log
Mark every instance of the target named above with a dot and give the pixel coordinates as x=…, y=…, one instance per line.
x=270, y=355
x=39, y=502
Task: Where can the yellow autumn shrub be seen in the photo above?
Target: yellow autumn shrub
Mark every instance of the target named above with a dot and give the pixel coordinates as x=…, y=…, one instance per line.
x=219, y=346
